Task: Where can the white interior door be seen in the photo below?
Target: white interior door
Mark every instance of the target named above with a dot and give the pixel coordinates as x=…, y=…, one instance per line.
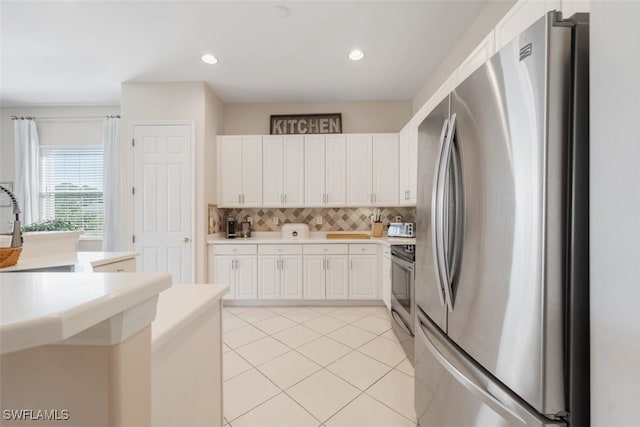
x=163, y=199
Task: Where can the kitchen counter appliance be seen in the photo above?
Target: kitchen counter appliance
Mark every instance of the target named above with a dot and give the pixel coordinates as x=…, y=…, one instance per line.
x=401, y=229
x=402, y=296
x=232, y=228
x=502, y=280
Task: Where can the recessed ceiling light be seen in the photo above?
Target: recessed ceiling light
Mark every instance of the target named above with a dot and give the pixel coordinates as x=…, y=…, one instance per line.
x=209, y=59
x=356, y=55
x=281, y=11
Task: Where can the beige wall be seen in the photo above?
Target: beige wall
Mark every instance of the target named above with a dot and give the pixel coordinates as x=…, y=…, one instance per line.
x=214, y=113
x=357, y=116
x=149, y=102
x=478, y=30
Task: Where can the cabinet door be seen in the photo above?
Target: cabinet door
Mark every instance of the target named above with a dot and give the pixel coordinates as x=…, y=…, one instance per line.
x=362, y=277
x=313, y=283
x=337, y=277
x=272, y=171
x=314, y=168
x=386, y=281
x=251, y=171
x=403, y=162
x=293, y=170
x=246, y=277
x=229, y=171
x=291, y=277
x=223, y=274
x=335, y=170
x=359, y=170
x=269, y=277
x=385, y=169
x=413, y=165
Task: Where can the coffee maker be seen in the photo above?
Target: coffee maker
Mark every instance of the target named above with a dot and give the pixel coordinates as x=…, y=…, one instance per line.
x=231, y=227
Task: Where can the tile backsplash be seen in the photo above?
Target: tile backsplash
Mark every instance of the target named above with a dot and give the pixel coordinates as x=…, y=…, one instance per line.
x=333, y=219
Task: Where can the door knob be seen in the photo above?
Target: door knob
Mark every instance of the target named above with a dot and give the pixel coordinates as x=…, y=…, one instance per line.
x=186, y=240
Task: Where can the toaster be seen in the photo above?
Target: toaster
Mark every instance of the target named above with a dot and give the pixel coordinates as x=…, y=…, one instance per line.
x=401, y=229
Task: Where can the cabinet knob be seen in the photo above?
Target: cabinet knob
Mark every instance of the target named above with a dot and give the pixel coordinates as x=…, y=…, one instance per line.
x=186, y=239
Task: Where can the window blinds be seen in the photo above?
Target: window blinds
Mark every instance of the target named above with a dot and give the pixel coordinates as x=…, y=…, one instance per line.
x=71, y=185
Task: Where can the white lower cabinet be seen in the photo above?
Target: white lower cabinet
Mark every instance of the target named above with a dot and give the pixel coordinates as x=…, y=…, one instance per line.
x=325, y=272
x=236, y=266
x=385, y=276
x=363, y=272
x=280, y=272
x=304, y=271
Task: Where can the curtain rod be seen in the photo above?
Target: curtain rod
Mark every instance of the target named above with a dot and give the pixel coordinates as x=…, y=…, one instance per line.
x=66, y=118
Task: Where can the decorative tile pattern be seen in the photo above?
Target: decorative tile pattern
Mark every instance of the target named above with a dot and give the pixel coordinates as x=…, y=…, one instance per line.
x=215, y=219
x=335, y=219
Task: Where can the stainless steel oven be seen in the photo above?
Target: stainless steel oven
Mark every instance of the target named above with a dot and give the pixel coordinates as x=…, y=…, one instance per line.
x=403, y=295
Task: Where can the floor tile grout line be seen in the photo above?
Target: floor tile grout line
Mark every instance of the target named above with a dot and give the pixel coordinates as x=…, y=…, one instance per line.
x=394, y=410
x=342, y=407
x=292, y=349
x=246, y=412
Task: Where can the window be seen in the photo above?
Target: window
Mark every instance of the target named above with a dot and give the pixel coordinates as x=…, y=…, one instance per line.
x=71, y=186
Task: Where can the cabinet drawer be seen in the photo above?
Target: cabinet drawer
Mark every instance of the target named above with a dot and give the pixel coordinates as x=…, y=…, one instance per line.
x=124, y=266
x=386, y=251
x=234, y=249
x=366, y=249
x=280, y=249
x=335, y=249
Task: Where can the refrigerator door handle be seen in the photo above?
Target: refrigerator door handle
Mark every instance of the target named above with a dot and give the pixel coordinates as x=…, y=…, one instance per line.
x=435, y=226
x=466, y=372
x=441, y=213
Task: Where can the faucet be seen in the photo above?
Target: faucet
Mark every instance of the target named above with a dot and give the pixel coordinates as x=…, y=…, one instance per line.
x=16, y=235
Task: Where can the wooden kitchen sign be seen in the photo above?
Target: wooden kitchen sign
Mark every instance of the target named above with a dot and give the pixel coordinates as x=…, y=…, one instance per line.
x=306, y=123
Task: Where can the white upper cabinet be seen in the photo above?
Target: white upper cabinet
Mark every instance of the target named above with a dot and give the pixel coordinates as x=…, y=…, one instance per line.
x=385, y=169
x=325, y=170
x=240, y=171
x=372, y=170
x=335, y=170
x=283, y=170
x=359, y=170
x=408, y=164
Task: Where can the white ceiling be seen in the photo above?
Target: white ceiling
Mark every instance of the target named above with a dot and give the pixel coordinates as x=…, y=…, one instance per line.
x=79, y=52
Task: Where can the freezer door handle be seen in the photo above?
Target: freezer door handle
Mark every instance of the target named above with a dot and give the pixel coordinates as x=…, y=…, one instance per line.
x=466, y=371
x=435, y=224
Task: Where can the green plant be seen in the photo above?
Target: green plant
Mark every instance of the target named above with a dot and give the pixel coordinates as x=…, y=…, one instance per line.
x=50, y=225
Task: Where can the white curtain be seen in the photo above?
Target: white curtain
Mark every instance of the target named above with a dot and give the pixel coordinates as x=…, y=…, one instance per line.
x=111, y=189
x=27, y=181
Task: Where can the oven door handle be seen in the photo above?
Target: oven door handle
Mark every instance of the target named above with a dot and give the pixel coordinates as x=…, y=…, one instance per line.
x=400, y=321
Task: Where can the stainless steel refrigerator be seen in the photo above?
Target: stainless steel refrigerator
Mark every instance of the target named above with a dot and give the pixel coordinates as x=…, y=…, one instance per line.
x=502, y=334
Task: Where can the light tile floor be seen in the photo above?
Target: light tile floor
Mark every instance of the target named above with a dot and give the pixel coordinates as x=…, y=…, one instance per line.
x=314, y=366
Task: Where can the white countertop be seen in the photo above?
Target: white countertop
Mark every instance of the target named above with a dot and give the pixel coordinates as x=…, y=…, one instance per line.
x=46, y=308
x=314, y=238
x=82, y=261
x=178, y=306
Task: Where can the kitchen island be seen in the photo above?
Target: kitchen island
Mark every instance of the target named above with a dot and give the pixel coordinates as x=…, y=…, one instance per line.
x=80, y=348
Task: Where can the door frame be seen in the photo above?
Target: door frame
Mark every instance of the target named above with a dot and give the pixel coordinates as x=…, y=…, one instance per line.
x=128, y=163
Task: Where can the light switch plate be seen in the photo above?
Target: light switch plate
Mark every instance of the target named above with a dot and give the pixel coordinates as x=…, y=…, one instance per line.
x=319, y=220
x=276, y=220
